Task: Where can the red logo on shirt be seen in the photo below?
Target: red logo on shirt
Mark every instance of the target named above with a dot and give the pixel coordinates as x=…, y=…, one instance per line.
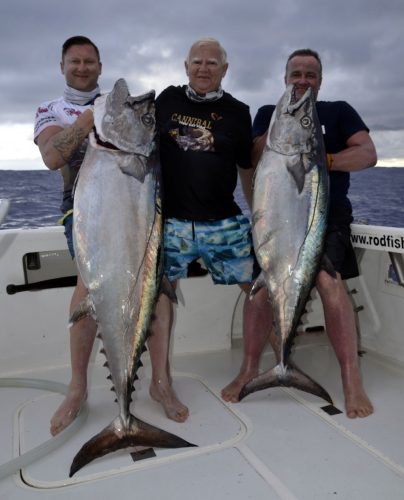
x=72, y=112
x=215, y=116
x=41, y=110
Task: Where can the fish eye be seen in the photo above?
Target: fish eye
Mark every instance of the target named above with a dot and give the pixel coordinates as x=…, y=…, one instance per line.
x=148, y=120
x=305, y=121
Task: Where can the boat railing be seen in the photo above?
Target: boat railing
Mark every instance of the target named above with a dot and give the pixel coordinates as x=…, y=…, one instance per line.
x=382, y=238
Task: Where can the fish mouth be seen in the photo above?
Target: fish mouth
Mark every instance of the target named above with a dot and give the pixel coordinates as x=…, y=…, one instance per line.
x=293, y=95
x=296, y=99
x=298, y=93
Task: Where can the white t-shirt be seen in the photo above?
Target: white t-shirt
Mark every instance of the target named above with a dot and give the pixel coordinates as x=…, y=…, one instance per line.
x=62, y=113
x=56, y=112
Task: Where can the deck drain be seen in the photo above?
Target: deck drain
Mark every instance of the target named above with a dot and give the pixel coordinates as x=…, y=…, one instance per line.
x=142, y=454
x=331, y=410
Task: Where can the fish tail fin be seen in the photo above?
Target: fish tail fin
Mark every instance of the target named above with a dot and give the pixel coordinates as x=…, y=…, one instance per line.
x=285, y=376
x=117, y=436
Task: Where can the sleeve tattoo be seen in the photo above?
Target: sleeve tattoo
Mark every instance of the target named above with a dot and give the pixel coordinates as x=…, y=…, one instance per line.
x=68, y=141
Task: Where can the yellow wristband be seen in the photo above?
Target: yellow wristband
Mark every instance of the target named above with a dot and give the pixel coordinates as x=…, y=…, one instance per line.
x=330, y=161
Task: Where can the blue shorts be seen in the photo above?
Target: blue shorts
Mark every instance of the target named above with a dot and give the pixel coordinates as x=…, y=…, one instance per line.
x=225, y=247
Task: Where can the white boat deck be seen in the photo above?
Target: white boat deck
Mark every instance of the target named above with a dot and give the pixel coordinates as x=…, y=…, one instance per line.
x=276, y=444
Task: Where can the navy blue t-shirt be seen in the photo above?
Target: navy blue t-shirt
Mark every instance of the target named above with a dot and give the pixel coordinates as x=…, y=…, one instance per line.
x=339, y=122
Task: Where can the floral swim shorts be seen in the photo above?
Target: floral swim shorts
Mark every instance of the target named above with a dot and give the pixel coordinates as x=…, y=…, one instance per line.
x=224, y=246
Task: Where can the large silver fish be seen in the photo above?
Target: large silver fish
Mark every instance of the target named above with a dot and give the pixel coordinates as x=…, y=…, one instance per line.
x=290, y=206
x=118, y=244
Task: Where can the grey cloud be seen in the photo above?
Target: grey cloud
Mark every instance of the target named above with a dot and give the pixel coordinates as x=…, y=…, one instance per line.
x=360, y=42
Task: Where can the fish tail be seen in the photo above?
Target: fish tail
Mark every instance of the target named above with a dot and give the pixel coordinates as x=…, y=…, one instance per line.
x=116, y=436
x=285, y=376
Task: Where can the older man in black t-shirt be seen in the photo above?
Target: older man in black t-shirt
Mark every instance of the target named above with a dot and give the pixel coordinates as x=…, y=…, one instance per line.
x=205, y=141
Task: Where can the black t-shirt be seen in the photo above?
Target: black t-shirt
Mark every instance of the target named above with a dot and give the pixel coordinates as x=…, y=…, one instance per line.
x=201, y=145
x=339, y=122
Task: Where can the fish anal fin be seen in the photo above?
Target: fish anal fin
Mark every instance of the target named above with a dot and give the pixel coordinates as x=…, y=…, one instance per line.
x=84, y=308
x=167, y=288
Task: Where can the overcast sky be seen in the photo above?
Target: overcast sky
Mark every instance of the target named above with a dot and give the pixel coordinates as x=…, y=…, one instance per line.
x=360, y=42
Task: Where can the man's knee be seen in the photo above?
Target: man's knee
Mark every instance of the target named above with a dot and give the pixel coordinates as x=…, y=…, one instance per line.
x=327, y=285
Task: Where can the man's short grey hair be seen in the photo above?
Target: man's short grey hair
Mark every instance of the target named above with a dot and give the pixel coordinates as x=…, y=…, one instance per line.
x=206, y=41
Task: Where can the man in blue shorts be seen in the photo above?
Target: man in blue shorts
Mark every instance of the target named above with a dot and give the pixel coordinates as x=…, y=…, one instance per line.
x=349, y=148
x=62, y=126
x=205, y=140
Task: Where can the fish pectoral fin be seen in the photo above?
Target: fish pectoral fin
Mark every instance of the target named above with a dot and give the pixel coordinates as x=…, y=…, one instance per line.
x=85, y=308
x=285, y=376
x=135, y=166
x=117, y=436
x=328, y=266
x=298, y=173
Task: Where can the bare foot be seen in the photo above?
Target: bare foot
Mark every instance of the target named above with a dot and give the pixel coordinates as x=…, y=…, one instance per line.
x=165, y=395
x=357, y=403
x=67, y=411
x=232, y=391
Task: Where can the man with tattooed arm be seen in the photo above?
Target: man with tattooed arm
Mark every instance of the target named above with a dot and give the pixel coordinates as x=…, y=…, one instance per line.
x=61, y=129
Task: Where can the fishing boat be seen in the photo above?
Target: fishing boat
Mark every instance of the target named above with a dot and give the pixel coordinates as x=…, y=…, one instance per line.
x=279, y=443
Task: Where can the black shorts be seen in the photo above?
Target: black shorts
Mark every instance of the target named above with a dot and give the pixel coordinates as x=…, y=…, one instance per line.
x=338, y=248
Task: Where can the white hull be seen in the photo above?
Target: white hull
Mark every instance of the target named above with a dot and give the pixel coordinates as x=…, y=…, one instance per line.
x=276, y=444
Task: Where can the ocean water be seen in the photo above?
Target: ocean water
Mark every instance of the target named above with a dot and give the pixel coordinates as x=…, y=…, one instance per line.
x=377, y=197
x=35, y=197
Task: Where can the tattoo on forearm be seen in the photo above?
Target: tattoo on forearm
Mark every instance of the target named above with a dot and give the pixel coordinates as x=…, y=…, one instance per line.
x=68, y=142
